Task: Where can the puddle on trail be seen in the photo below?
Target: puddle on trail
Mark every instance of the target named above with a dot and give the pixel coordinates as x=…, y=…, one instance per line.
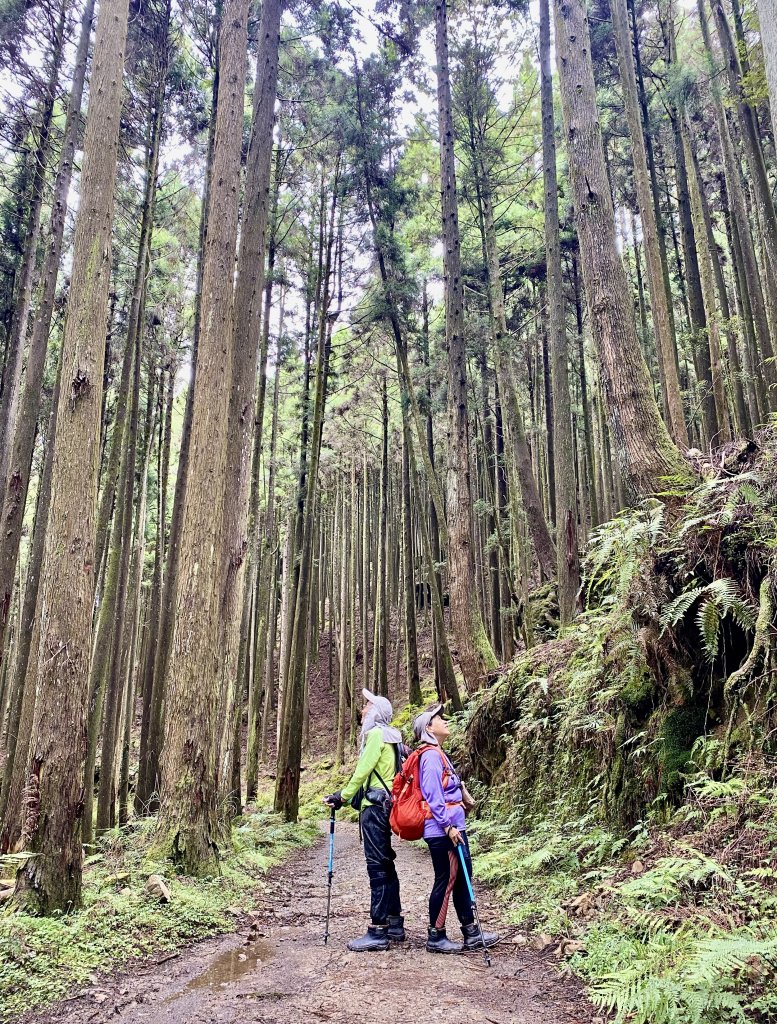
x=230, y=967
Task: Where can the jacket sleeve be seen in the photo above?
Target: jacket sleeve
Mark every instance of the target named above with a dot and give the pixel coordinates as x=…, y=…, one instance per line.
x=432, y=788
x=365, y=765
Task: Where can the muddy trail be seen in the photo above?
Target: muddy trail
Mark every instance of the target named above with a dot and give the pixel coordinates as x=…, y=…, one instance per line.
x=276, y=970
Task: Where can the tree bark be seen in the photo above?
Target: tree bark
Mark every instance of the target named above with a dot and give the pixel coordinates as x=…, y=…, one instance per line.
x=412, y=673
x=16, y=483
x=382, y=610
x=755, y=161
x=114, y=689
x=741, y=222
x=12, y=370
x=563, y=468
x=145, y=779
x=51, y=879
x=708, y=294
x=767, y=16
x=188, y=817
x=476, y=656
x=647, y=456
x=290, y=743
x=244, y=419
x=659, y=299
x=22, y=709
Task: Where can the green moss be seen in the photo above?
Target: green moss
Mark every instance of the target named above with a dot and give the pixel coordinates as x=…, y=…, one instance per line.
x=681, y=728
x=639, y=691
x=41, y=959
x=605, y=776
x=403, y=720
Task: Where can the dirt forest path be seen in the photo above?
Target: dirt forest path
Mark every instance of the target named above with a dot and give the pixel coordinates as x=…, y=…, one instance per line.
x=276, y=970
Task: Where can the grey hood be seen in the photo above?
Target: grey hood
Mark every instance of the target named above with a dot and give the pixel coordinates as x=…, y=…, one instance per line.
x=380, y=714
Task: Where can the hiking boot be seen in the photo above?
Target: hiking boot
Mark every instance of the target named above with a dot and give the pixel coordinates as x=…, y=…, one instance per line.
x=438, y=942
x=473, y=940
x=375, y=939
x=396, y=928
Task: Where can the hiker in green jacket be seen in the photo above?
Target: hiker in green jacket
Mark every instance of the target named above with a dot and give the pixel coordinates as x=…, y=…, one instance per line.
x=368, y=790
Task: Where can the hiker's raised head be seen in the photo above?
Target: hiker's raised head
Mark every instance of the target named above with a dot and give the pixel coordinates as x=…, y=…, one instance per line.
x=377, y=710
x=431, y=725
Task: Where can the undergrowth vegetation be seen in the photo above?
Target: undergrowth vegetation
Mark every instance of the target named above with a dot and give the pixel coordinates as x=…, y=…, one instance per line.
x=41, y=959
x=628, y=766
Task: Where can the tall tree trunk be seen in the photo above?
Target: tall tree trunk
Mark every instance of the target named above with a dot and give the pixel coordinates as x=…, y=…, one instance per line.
x=12, y=370
x=16, y=483
x=51, y=878
x=382, y=609
x=447, y=686
x=716, y=428
x=563, y=468
x=704, y=264
x=475, y=654
x=114, y=688
x=756, y=164
x=742, y=420
x=115, y=581
x=519, y=446
x=757, y=296
x=143, y=633
x=646, y=453
x=659, y=299
x=145, y=780
x=107, y=619
x=767, y=17
x=584, y=400
x=243, y=416
x=502, y=504
x=346, y=560
x=412, y=673
x=22, y=709
x=188, y=815
x=290, y=745
x=266, y=593
x=150, y=797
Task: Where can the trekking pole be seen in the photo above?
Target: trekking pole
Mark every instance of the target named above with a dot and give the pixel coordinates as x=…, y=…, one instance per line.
x=486, y=954
x=331, y=870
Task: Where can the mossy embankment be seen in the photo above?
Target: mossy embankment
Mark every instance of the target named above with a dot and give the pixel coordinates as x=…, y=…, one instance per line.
x=627, y=767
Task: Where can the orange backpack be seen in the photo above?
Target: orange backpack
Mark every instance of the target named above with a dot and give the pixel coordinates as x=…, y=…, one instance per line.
x=408, y=807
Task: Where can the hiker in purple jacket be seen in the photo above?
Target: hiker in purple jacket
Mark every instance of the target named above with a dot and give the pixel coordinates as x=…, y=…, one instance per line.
x=445, y=829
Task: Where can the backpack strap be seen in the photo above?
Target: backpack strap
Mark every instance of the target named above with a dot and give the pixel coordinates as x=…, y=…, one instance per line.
x=397, y=763
x=446, y=765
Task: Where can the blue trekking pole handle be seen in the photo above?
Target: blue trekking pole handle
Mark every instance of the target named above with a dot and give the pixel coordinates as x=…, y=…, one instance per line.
x=331, y=841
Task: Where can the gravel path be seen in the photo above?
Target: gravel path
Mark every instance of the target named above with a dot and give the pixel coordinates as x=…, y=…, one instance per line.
x=277, y=971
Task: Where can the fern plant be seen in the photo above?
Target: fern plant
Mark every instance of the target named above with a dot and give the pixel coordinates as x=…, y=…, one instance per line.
x=661, y=976
x=618, y=548
x=717, y=599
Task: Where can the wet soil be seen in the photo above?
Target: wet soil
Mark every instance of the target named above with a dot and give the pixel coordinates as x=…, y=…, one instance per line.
x=276, y=969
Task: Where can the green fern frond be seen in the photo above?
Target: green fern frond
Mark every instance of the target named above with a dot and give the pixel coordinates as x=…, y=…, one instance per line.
x=708, y=621
x=673, y=612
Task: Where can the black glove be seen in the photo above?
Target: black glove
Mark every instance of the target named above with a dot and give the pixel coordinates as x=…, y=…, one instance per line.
x=334, y=800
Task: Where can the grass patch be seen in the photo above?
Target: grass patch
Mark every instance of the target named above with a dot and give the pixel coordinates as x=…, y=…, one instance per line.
x=42, y=959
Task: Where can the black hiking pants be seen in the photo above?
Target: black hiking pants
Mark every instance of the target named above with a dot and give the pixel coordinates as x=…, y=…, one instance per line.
x=384, y=884
x=449, y=881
